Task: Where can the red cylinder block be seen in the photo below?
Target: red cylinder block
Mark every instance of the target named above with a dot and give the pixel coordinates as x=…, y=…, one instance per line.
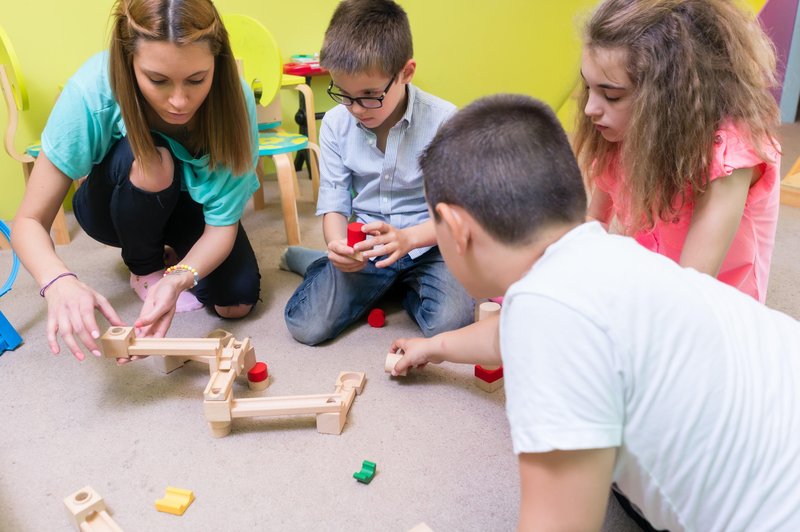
x=259, y=373
x=354, y=234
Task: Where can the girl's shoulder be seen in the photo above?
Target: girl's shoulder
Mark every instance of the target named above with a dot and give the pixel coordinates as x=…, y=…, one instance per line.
x=733, y=150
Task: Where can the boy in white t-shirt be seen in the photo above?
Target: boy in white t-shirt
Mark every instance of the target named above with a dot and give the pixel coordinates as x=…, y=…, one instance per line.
x=620, y=366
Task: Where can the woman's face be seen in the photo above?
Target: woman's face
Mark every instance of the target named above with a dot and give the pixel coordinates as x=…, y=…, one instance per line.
x=174, y=80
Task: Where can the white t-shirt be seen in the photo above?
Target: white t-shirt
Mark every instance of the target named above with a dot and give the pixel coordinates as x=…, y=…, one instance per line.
x=606, y=344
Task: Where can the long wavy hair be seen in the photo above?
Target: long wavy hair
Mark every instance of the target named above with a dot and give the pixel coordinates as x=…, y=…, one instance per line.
x=223, y=126
x=694, y=64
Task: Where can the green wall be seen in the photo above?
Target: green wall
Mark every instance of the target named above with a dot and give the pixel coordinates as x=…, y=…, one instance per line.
x=464, y=49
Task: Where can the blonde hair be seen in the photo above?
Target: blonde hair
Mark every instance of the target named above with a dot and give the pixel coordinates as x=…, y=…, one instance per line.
x=223, y=125
x=694, y=64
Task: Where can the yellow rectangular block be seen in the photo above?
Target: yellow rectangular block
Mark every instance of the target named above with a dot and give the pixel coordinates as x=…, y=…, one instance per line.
x=175, y=501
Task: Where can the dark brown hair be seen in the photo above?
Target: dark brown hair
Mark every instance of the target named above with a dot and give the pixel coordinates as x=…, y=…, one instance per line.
x=367, y=36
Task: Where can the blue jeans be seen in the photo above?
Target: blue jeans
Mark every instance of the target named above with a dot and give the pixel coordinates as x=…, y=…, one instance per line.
x=115, y=212
x=329, y=300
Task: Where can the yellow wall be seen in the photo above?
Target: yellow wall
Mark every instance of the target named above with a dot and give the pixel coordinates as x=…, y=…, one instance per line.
x=464, y=48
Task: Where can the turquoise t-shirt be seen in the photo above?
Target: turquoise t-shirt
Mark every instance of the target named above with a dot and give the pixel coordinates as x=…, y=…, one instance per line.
x=86, y=121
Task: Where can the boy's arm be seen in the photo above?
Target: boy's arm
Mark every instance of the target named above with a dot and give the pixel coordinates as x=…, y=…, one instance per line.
x=477, y=343
x=716, y=218
x=396, y=243
x=564, y=490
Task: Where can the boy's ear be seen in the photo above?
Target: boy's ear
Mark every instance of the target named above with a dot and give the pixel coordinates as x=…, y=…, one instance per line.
x=455, y=220
x=409, y=69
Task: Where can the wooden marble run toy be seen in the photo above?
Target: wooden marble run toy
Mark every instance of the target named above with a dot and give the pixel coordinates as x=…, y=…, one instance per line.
x=228, y=358
x=488, y=378
x=88, y=510
x=790, y=186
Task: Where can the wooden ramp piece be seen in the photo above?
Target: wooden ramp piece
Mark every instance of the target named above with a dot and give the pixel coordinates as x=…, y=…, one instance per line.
x=88, y=510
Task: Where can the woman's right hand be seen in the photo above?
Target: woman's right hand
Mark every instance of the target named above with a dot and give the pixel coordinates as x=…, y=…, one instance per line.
x=70, y=314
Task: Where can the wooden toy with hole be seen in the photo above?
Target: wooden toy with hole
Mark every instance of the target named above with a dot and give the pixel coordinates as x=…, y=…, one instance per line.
x=228, y=358
x=330, y=409
x=89, y=512
x=354, y=236
x=488, y=378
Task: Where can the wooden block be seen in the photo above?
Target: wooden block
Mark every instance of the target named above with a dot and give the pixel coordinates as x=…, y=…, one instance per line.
x=223, y=335
x=116, y=341
x=351, y=379
x=391, y=361
x=422, y=527
x=489, y=386
x=331, y=423
x=175, y=501
x=88, y=510
x=487, y=309
x=167, y=364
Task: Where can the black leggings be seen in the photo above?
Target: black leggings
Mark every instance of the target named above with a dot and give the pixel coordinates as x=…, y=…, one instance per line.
x=115, y=212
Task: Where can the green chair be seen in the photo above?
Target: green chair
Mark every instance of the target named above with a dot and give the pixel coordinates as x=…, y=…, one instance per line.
x=262, y=67
x=15, y=96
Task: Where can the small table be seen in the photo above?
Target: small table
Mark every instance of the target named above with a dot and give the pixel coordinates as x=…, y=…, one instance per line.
x=308, y=71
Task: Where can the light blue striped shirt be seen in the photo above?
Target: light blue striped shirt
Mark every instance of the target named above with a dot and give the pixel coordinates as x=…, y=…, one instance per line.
x=387, y=186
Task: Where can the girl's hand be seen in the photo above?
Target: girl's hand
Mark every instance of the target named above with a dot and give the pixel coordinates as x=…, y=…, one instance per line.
x=417, y=352
x=159, y=306
x=70, y=313
x=387, y=240
x=340, y=255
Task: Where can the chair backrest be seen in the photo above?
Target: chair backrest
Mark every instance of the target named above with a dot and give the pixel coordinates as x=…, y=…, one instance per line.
x=14, y=92
x=255, y=46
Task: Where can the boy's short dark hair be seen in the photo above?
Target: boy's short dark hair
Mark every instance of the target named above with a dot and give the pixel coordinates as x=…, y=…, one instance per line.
x=367, y=36
x=506, y=160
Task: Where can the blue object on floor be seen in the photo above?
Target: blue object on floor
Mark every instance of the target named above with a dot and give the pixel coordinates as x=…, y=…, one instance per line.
x=9, y=337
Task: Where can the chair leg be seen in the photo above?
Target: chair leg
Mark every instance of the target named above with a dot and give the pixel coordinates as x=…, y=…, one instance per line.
x=287, y=178
x=59, y=228
x=313, y=165
x=258, y=195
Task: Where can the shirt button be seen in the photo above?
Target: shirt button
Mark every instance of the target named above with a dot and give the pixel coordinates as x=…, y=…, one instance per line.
x=386, y=176
x=385, y=199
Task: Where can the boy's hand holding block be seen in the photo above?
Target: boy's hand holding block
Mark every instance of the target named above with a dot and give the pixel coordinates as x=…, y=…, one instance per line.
x=354, y=236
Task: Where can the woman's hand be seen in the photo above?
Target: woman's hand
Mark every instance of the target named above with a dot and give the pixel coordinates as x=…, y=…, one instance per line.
x=159, y=305
x=70, y=314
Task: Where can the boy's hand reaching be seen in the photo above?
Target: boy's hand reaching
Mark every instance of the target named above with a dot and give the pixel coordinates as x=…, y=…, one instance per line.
x=417, y=352
x=341, y=256
x=387, y=240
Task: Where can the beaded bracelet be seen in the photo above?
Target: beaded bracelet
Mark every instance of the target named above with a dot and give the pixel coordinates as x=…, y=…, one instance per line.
x=56, y=278
x=182, y=268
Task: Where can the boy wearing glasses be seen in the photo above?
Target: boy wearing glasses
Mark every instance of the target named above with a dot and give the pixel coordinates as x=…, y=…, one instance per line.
x=369, y=173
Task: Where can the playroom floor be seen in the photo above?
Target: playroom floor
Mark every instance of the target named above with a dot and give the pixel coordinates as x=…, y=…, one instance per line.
x=441, y=445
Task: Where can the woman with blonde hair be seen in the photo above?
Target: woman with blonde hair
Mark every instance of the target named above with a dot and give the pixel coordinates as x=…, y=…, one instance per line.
x=678, y=139
x=166, y=132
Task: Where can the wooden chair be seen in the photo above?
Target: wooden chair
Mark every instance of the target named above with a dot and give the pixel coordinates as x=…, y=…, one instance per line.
x=262, y=66
x=15, y=96
x=790, y=186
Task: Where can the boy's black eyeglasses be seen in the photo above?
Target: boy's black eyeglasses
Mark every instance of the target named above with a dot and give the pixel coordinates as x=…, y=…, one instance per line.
x=367, y=102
